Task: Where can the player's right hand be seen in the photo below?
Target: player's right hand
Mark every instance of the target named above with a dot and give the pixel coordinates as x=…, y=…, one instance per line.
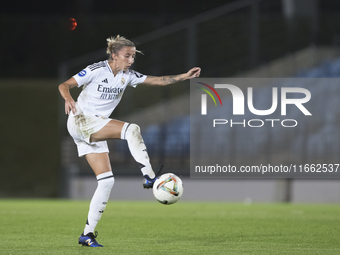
x=70, y=105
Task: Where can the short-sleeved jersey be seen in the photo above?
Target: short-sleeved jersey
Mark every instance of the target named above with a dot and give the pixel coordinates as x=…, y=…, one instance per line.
x=102, y=90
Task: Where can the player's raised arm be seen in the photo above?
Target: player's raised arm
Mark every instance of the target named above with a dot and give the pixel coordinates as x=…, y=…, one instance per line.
x=171, y=79
x=64, y=90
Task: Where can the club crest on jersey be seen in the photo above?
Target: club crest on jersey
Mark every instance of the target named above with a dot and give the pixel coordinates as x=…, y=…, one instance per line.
x=82, y=73
x=122, y=81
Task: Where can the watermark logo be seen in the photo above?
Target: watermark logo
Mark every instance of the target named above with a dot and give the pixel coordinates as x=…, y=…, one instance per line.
x=264, y=127
x=204, y=97
x=238, y=100
x=295, y=96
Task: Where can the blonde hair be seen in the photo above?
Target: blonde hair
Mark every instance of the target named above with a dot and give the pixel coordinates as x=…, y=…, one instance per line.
x=115, y=44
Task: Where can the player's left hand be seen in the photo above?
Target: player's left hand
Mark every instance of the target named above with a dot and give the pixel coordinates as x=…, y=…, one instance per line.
x=194, y=72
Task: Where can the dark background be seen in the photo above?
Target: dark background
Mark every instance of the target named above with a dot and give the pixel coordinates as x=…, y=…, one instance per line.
x=35, y=37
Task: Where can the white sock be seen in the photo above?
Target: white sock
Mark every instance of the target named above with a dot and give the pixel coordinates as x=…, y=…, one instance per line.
x=131, y=133
x=99, y=200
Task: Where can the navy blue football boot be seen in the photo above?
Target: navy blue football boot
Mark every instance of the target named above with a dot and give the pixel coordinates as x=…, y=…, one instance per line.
x=148, y=182
x=89, y=240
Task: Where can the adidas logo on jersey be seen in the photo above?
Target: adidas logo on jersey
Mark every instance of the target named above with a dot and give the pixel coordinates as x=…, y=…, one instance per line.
x=105, y=80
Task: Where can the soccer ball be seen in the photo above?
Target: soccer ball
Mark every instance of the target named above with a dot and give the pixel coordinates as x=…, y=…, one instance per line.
x=168, y=189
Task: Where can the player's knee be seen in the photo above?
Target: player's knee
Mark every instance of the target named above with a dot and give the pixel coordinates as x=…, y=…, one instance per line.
x=107, y=182
x=129, y=131
x=133, y=130
x=111, y=181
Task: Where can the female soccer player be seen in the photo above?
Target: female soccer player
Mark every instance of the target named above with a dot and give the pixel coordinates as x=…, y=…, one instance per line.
x=90, y=126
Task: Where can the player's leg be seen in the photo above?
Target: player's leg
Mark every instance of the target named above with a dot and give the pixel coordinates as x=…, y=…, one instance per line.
x=100, y=165
x=131, y=133
x=111, y=130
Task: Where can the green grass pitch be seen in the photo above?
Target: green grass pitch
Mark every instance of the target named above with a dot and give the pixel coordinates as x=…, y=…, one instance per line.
x=53, y=227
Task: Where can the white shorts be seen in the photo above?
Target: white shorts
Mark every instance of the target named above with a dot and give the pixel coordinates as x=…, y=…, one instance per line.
x=81, y=127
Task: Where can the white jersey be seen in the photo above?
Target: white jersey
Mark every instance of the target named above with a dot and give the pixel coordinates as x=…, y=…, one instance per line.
x=102, y=90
